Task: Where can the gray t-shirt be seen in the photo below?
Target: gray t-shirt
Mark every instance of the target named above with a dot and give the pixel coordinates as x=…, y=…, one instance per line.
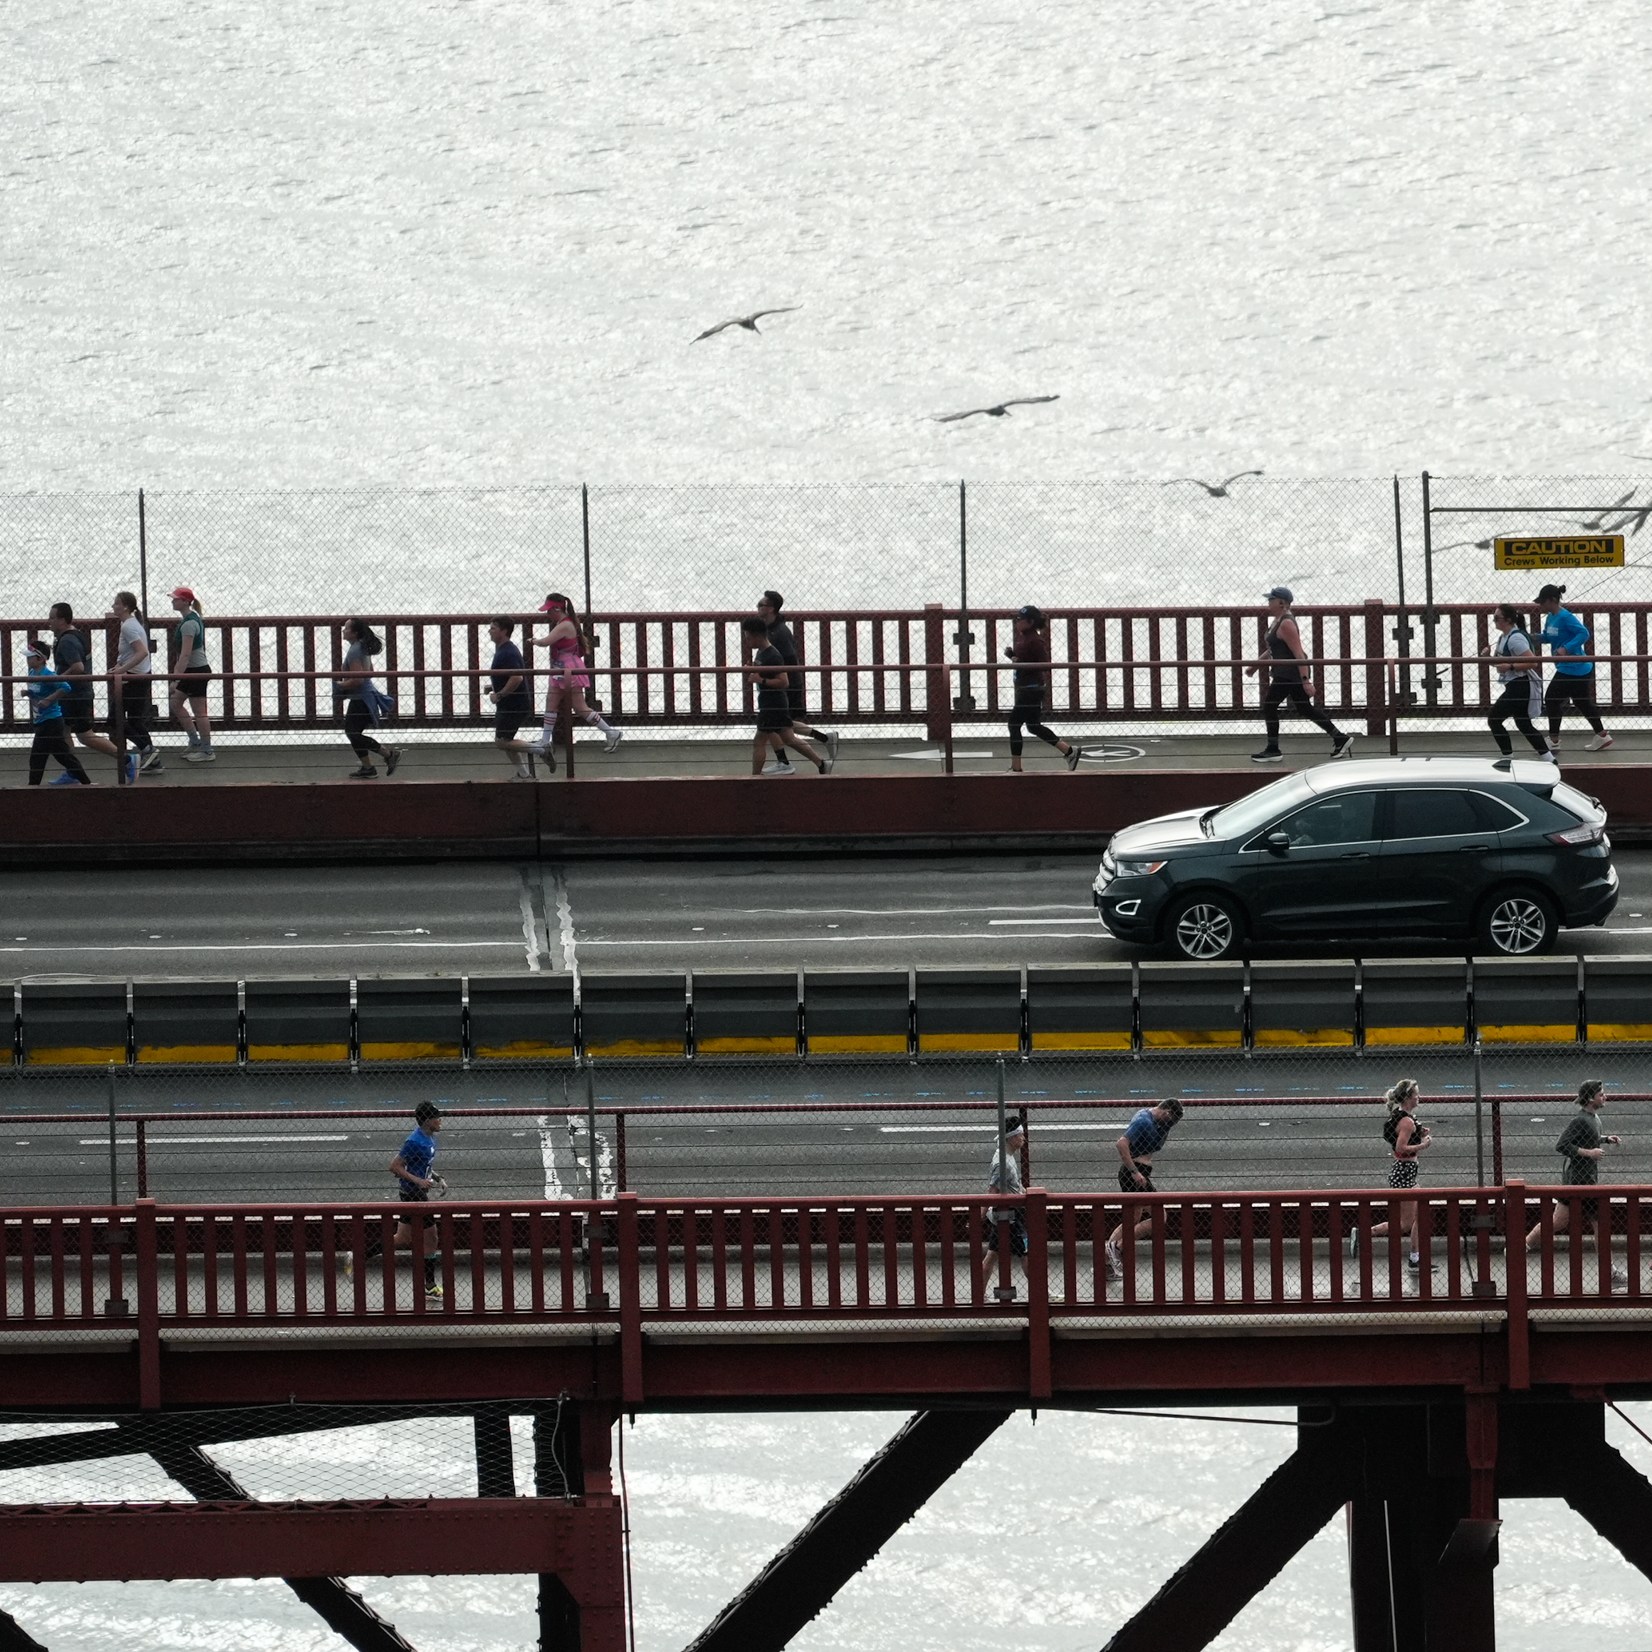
x=133, y=637
x=1581, y=1132
x=1514, y=645
x=1005, y=1178
x=356, y=658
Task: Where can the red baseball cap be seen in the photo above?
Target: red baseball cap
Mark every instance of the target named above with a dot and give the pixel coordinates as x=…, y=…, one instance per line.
x=184, y=592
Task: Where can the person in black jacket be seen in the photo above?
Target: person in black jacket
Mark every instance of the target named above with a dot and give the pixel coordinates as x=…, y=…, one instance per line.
x=1031, y=653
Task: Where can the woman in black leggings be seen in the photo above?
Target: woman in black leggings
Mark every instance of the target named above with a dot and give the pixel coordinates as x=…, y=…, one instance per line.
x=1031, y=653
x=363, y=700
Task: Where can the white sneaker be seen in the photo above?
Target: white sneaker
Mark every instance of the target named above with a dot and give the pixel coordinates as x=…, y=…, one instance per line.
x=1600, y=743
x=772, y=767
x=1553, y=740
x=1115, y=1265
x=545, y=745
x=1549, y=757
x=201, y=754
x=612, y=742
x=1620, y=1276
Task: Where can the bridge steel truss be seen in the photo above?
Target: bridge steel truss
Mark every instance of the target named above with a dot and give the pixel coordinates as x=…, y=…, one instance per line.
x=169, y=1332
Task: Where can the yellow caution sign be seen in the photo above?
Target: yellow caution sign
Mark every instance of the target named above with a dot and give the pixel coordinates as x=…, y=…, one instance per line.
x=1588, y=550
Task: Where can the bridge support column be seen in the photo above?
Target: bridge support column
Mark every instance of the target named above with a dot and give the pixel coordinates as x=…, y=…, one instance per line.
x=495, y=1467
x=572, y=1447
x=802, y=1579
x=1368, y=1574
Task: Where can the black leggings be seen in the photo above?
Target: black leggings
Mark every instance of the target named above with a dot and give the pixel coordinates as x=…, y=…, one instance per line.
x=356, y=721
x=52, y=740
x=1514, y=704
x=1295, y=694
x=1580, y=691
x=1029, y=707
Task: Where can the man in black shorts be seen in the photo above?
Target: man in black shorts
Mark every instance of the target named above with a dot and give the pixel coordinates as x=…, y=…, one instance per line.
x=766, y=672
x=71, y=659
x=512, y=703
x=797, y=694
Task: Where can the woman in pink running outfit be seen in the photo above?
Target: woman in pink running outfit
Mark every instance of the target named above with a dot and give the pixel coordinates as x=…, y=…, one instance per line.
x=569, y=678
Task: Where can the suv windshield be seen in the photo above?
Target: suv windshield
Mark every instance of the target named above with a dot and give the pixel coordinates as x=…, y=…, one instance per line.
x=1241, y=818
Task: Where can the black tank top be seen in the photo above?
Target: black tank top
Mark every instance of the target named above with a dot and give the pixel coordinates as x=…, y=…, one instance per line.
x=1291, y=673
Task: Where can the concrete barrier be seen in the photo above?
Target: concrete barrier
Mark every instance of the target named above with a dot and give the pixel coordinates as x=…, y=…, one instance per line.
x=858, y=1011
x=1302, y=1004
x=1617, y=999
x=1415, y=1001
x=1181, y=1006
x=297, y=1020
x=742, y=1012
x=633, y=1015
x=1082, y=1007
x=75, y=1023
x=1528, y=1000
x=520, y=1017
x=976, y=1010
x=186, y=1021
x=409, y=1018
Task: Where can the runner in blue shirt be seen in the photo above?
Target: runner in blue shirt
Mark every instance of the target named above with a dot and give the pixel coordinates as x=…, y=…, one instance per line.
x=1574, y=670
x=1145, y=1134
x=415, y=1173
x=47, y=691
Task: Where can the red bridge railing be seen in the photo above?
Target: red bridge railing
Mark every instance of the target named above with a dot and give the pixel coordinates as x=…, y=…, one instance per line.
x=772, y=1262
x=930, y=666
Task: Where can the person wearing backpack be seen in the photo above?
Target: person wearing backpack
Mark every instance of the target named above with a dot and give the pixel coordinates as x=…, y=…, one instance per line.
x=1520, y=671
x=1574, y=671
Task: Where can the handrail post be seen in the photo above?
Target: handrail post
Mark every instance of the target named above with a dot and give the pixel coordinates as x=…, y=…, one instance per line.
x=937, y=683
x=1038, y=1293
x=148, y=1286
x=630, y=1301
x=1375, y=669
x=1514, y=1284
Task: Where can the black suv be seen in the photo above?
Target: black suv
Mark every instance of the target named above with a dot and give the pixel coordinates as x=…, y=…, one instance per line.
x=1505, y=852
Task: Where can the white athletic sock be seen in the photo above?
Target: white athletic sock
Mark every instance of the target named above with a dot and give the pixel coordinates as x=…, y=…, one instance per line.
x=594, y=718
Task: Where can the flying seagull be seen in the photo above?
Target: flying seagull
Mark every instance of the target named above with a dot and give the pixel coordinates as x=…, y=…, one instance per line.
x=998, y=411
x=1600, y=524
x=749, y=322
x=1220, y=490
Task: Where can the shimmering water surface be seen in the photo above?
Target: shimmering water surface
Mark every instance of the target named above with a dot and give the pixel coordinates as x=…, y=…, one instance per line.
x=307, y=245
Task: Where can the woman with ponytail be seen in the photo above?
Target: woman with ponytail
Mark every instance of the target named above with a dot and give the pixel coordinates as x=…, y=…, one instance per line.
x=363, y=700
x=1407, y=1137
x=568, y=676
x=191, y=672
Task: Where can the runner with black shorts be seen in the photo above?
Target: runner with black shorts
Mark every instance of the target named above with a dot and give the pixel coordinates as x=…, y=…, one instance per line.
x=1583, y=1146
x=512, y=703
x=1145, y=1134
x=72, y=660
x=797, y=694
x=414, y=1170
x=767, y=673
x=191, y=672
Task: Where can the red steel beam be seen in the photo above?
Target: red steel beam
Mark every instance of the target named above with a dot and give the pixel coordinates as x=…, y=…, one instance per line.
x=85, y=1543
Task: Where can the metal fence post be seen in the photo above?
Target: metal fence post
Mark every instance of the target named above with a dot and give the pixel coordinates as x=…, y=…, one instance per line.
x=1479, y=1120
x=1402, y=624
x=964, y=637
x=1430, y=618
x=143, y=559
x=591, y=1125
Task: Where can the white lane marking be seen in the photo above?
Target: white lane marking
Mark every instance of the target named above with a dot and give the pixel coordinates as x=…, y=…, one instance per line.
x=272, y=946
x=849, y=940
x=530, y=929
x=565, y=924
x=212, y=1141
x=1045, y=1127
x=547, y=1158
x=390, y=932
x=606, y=1185
x=935, y=756
x=1027, y=922
x=902, y=911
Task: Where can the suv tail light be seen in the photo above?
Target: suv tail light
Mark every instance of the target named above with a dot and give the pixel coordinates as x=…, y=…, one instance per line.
x=1588, y=832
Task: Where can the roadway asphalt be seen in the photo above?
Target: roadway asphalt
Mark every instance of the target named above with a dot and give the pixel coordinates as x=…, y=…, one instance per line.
x=605, y=915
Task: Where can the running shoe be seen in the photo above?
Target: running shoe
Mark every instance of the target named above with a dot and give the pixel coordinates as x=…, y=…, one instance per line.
x=544, y=744
x=1115, y=1264
x=194, y=741
x=1415, y=1264
x=773, y=767
x=132, y=769
x=150, y=762
x=828, y=763
x=1600, y=743
x=365, y=772
x=201, y=754
x=1620, y=1276
x=347, y=1264
x=522, y=774
x=1554, y=741
x=391, y=758
x=1342, y=745
x=1268, y=754
x=612, y=742
x=1549, y=757
x=1073, y=755
x=831, y=740
x=433, y=1289
x=64, y=779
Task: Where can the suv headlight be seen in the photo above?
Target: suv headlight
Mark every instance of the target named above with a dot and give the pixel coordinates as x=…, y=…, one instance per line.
x=1138, y=868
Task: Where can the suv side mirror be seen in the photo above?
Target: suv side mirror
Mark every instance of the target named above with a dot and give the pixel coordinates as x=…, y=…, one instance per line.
x=1278, y=843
